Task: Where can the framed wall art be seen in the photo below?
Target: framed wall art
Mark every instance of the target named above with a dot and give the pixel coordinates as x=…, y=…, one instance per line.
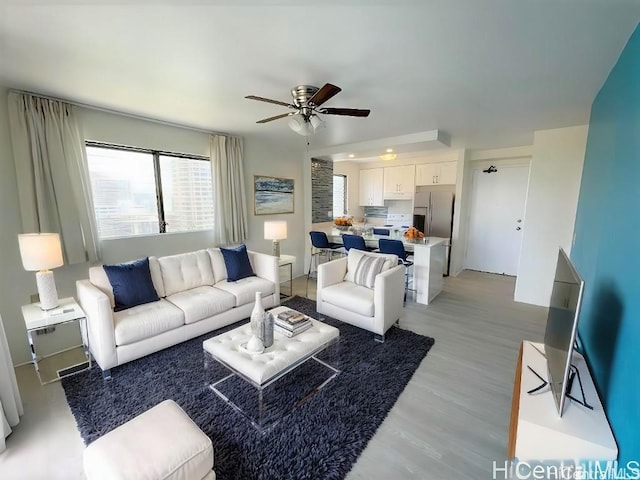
x=272, y=195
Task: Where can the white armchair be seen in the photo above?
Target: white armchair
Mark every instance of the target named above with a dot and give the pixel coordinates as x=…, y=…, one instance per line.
x=374, y=309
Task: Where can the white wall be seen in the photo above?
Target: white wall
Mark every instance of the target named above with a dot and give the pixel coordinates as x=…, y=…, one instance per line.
x=552, y=199
x=17, y=285
x=352, y=172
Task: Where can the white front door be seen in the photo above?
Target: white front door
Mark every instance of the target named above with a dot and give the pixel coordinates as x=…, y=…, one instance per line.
x=497, y=219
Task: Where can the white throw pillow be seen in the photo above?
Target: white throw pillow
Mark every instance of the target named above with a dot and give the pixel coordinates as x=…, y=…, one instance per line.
x=354, y=256
x=367, y=270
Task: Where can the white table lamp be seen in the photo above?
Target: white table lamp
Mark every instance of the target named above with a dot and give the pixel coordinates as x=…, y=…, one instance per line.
x=276, y=231
x=40, y=252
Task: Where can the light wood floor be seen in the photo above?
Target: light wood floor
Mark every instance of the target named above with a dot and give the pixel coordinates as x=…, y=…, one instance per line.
x=450, y=422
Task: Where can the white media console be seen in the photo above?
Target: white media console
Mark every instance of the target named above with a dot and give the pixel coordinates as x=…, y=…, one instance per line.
x=537, y=433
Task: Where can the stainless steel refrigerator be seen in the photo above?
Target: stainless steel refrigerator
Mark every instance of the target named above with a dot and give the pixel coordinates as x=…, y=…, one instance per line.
x=433, y=210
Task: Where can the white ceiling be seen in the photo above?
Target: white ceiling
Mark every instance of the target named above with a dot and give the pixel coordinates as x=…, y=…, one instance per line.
x=488, y=73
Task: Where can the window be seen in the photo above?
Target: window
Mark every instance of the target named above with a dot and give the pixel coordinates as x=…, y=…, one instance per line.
x=339, y=195
x=138, y=192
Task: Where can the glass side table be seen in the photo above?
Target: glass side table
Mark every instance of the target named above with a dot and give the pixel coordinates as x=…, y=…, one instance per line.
x=52, y=368
x=284, y=261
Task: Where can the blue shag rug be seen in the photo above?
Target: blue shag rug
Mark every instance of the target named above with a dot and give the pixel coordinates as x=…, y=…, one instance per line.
x=321, y=439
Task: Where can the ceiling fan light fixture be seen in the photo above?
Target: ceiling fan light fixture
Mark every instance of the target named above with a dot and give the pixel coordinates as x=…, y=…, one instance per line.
x=316, y=122
x=299, y=124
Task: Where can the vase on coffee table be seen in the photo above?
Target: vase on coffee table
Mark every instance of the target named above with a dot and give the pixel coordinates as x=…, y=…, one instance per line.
x=262, y=322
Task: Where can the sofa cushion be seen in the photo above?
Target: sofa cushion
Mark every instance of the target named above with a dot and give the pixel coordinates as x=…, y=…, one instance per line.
x=202, y=302
x=131, y=283
x=217, y=262
x=98, y=277
x=156, y=276
x=236, y=261
x=351, y=297
x=186, y=271
x=354, y=256
x=244, y=291
x=144, y=321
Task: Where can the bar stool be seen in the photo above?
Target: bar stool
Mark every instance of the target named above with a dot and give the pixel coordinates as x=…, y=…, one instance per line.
x=396, y=247
x=320, y=245
x=355, y=241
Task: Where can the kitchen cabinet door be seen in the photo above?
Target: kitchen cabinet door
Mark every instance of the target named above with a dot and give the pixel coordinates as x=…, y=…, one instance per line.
x=448, y=173
x=427, y=173
x=443, y=173
x=399, y=182
x=371, y=187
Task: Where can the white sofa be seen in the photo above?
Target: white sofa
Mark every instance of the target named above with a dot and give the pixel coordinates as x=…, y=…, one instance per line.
x=374, y=309
x=195, y=298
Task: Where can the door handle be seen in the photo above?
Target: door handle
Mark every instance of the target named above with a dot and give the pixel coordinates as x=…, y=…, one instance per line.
x=518, y=228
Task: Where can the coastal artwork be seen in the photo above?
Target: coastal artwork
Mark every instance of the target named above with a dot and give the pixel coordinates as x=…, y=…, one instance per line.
x=272, y=195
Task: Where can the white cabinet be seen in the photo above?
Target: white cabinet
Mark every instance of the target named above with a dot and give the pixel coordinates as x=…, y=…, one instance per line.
x=443, y=173
x=399, y=182
x=371, y=187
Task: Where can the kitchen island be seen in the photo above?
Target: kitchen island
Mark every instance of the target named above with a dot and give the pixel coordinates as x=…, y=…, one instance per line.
x=428, y=261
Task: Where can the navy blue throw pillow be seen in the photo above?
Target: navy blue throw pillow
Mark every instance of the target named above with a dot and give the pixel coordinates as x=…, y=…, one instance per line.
x=237, y=262
x=131, y=283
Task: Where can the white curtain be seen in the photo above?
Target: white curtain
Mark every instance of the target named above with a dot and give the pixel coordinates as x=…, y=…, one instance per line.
x=227, y=172
x=10, y=402
x=52, y=173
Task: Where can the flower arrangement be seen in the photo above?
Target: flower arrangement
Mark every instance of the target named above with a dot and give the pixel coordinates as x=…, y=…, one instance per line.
x=413, y=234
x=343, y=222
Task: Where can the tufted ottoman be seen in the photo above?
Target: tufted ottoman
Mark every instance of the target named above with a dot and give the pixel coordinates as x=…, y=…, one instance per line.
x=261, y=370
x=162, y=443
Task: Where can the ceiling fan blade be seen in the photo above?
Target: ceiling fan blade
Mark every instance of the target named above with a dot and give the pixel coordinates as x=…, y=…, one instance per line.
x=352, y=112
x=268, y=100
x=324, y=94
x=265, y=120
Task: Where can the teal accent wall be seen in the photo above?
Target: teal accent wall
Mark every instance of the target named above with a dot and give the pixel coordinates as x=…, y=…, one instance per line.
x=607, y=248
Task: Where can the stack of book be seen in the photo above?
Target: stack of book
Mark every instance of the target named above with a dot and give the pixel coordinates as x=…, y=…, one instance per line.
x=290, y=323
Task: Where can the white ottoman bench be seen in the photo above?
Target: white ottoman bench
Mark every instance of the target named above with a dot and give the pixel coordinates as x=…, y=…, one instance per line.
x=162, y=443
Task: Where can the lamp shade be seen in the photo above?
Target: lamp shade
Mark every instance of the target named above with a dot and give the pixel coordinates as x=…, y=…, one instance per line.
x=301, y=125
x=275, y=230
x=40, y=251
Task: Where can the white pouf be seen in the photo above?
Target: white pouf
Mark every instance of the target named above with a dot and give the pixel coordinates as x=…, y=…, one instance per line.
x=162, y=443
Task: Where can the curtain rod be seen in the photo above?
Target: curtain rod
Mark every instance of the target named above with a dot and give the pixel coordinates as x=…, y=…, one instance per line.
x=124, y=114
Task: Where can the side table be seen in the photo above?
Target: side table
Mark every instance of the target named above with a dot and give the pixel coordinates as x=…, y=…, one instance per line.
x=284, y=261
x=65, y=363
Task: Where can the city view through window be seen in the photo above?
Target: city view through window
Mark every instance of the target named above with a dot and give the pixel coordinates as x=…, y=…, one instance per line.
x=125, y=192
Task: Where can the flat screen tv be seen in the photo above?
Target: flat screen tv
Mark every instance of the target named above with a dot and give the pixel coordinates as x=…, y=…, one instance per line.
x=562, y=324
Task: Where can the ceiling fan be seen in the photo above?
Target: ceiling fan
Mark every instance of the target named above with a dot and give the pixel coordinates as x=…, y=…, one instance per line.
x=307, y=100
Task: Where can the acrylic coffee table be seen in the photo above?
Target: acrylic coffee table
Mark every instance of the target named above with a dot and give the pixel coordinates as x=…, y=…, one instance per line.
x=268, y=386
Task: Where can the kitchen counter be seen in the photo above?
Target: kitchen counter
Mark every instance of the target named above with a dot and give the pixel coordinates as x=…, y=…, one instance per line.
x=428, y=261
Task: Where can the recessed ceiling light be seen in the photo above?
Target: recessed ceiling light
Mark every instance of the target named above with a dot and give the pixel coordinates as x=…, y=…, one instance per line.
x=351, y=155
x=389, y=150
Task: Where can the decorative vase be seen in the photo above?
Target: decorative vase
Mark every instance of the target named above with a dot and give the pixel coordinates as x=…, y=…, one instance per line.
x=254, y=345
x=267, y=329
x=257, y=316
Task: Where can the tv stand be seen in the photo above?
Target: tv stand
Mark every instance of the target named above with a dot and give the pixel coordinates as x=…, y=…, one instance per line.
x=538, y=433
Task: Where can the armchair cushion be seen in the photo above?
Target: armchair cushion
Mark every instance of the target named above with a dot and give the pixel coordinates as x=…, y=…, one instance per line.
x=131, y=283
x=351, y=297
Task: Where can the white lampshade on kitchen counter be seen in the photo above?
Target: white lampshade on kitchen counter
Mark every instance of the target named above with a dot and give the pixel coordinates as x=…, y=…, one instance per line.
x=276, y=231
x=40, y=252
